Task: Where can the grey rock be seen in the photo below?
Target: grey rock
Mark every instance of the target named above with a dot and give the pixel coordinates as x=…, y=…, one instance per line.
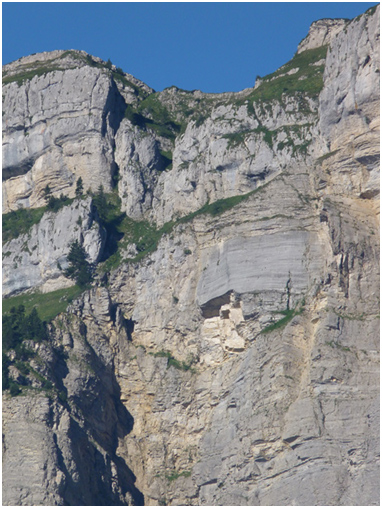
x=178, y=389
x=260, y=263
x=58, y=127
x=37, y=259
x=321, y=33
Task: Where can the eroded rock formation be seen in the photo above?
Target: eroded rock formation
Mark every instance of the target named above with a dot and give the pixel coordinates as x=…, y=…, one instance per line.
x=230, y=356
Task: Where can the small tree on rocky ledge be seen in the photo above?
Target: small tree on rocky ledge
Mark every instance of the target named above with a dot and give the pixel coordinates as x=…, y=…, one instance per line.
x=79, y=188
x=79, y=267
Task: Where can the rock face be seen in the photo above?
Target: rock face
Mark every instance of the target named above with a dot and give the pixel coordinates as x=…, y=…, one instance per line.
x=37, y=259
x=58, y=126
x=67, y=446
x=321, y=33
x=231, y=151
x=238, y=360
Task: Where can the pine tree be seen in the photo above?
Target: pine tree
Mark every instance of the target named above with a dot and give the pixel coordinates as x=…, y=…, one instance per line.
x=79, y=268
x=101, y=204
x=5, y=372
x=79, y=188
x=36, y=329
x=47, y=194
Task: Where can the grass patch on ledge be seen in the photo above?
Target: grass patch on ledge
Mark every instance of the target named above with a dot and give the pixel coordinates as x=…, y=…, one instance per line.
x=146, y=236
x=30, y=74
x=48, y=305
x=336, y=345
x=289, y=314
x=19, y=222
x=152, y=114
x=321, y=159
x=40, y=68
x=176, y=474
x=150, y=239
x=171, y=361
x=308, y=79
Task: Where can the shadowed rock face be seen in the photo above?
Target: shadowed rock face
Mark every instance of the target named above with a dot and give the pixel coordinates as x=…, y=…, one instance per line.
x=238, y=362
x=62, y=450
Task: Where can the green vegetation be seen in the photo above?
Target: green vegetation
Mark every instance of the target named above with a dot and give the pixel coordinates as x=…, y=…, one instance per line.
x=134, y=117
x=19, y=222
x=18, y=327
x=175, y=475
x=25, y=318
x=121, y=230
x=48, y=305
x=220, y=206
x=326, y=156
x=79, y=187
x=110, y=217
x=146, y=236
x=119, y=76
x=307, y=80
x=171, y=361
x=289, y=314
x=336, y=345
x=371, y=10
x=351, y=317
x=237, y=138
x=42, y=68
x=79, y=268
x=55, y=204
x=152, y=114
x=295, y=137
x=368, y=12
x=45, y=384
x=30, y=74
x=167, y=160
x=159, y=111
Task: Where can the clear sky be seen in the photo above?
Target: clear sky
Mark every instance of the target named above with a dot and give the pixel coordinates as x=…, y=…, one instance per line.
x=213, y=47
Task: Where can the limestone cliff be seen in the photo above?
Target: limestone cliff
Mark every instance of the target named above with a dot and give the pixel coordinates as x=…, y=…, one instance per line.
x=37, y=259
x=227, y=352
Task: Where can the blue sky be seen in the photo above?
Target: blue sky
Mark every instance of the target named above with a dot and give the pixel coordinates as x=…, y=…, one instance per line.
x=213, y=47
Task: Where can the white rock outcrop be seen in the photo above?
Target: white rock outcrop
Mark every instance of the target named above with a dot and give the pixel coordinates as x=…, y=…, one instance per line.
x=237, y=362
x=57, y=127
x=321, y=33
x=36, y=260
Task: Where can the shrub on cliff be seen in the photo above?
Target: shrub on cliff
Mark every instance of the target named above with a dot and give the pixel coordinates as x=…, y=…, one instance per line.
x=79, y=188
x=17, y=326
x=79, y=267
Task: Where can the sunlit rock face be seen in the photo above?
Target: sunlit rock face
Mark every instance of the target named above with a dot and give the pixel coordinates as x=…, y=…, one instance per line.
x=57, y=126
x=236, y=361
x=37, y=259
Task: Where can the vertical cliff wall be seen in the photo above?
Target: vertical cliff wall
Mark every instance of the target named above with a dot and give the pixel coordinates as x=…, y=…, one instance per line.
x=227, y=352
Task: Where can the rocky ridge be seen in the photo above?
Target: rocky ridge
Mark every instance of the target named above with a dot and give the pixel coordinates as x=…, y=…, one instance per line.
x=240, y=358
